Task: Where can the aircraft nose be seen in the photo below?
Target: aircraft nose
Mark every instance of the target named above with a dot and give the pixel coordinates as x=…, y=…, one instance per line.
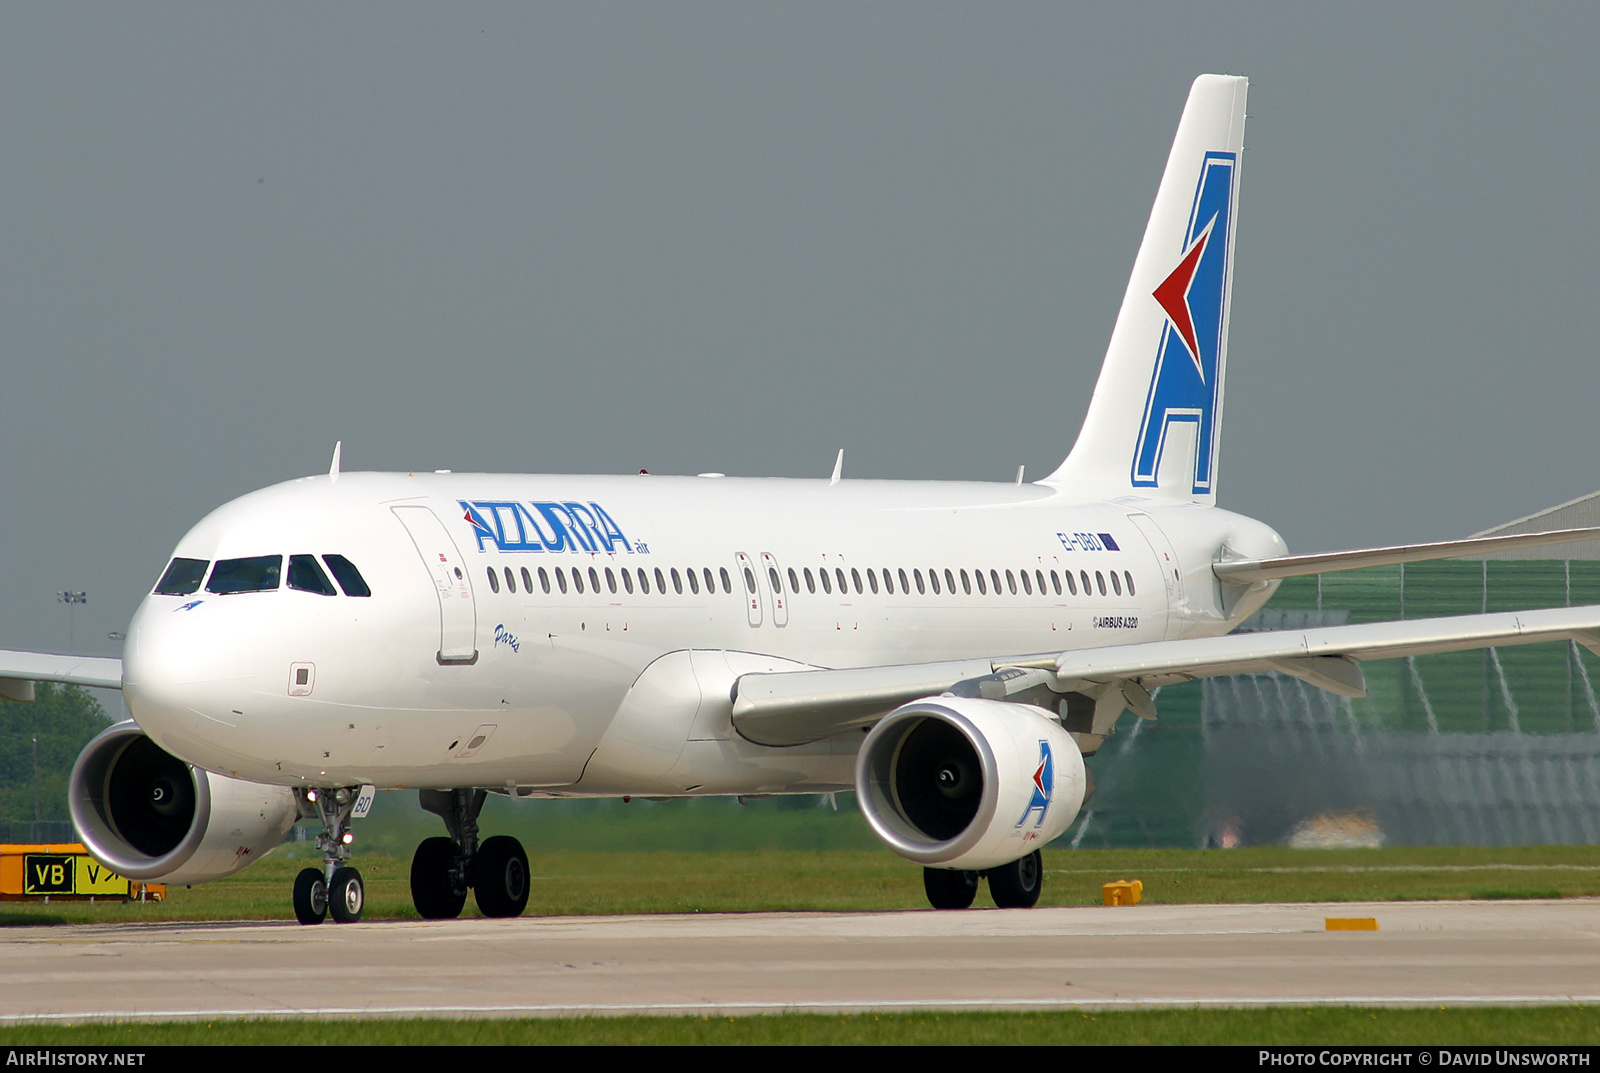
x=186, y=675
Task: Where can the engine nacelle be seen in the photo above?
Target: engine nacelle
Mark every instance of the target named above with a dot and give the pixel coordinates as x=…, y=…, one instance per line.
x=150, y=816
x=958, y=782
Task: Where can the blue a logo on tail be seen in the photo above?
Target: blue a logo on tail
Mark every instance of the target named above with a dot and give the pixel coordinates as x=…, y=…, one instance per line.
x=1187, y=384
x=1044, y=781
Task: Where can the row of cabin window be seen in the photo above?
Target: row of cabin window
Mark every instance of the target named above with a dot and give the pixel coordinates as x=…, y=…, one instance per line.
x=1038, y=578
x=578, y=584
x=1013, y=581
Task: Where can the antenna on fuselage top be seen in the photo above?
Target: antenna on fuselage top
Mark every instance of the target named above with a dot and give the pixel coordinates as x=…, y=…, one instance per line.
x=1020, y=470
x=838, y=467
x=333, y=467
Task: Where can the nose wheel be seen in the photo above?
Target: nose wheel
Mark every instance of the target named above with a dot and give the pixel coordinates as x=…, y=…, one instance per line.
x=335, y=887
x=310, y=896
x=346, y=896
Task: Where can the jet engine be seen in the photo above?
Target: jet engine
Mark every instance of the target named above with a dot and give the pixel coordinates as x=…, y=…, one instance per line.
x=959, y=782
x=150, y=816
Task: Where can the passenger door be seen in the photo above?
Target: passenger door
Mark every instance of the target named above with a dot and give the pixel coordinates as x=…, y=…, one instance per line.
x=452, y=583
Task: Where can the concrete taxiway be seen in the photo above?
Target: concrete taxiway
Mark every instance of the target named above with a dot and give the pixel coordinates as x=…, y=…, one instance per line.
x=1196, y=955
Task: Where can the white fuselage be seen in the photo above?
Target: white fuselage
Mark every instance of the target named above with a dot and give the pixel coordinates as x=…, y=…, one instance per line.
x=441, y=679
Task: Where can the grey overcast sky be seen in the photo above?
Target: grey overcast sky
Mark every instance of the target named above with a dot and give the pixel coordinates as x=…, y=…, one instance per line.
x=739, y=236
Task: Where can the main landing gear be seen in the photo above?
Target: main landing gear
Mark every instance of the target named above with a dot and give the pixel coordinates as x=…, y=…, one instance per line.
x=444, y=868
x=1013, y=886
x=335, y=887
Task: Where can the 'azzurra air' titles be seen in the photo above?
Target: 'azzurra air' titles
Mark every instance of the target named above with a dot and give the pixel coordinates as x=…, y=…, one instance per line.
x=545, y=526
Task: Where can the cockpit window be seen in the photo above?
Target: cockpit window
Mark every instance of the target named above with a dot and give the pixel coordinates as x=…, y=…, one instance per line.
x=307, y=576
x=346, y=574
x=183, y=576
x=258, y=573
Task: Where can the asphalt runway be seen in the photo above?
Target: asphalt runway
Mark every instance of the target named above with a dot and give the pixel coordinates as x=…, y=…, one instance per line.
x=1424, y=953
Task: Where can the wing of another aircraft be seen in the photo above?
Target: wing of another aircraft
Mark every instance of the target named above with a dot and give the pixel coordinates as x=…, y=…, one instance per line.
x=20, y=670
x=793, y=707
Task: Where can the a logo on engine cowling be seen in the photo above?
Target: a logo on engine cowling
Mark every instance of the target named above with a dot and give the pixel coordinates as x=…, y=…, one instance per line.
x=1044, y=780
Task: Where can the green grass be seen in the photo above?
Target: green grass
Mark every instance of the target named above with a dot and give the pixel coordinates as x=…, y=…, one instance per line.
x=1277, y=874
x=1345, y=1026
x=572, y=883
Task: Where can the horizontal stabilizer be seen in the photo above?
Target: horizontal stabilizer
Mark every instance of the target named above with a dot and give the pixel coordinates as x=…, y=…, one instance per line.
x=1254, y=653
x=1247, y=571
x=101, y=672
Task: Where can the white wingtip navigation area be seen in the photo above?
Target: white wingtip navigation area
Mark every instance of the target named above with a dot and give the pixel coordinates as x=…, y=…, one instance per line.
x=1154, y=423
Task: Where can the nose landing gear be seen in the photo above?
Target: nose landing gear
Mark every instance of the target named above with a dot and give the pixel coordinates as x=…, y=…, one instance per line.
x=335, y=886
x=444, y=868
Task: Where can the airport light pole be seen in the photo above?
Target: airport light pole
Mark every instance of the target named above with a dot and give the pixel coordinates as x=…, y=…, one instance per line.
x=72, y=599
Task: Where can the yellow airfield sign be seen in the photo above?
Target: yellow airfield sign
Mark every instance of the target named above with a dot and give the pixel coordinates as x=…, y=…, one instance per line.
x=59, y=871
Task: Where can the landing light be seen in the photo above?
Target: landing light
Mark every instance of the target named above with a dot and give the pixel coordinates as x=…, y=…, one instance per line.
x=348, y=838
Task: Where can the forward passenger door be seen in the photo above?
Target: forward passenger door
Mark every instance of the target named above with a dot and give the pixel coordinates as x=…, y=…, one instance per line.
x=458, y=616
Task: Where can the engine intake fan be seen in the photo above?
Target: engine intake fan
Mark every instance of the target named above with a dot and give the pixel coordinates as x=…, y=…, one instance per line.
x=150, y=816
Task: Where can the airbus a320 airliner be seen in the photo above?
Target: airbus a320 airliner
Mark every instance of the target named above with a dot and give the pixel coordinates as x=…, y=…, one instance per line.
x=949, y=651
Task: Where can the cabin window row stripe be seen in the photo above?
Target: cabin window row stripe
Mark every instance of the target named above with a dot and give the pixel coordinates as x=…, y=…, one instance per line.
x=643, y=580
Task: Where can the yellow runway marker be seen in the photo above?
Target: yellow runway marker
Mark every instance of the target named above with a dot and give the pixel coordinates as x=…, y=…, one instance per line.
x=1351, y=923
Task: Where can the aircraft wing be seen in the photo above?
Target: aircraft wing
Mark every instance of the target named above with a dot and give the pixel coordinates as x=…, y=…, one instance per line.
x=20, y=670
x=1248, y=571
x=793, y=707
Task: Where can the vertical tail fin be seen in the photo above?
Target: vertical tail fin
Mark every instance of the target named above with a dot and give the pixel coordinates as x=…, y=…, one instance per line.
x=1153, y=424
